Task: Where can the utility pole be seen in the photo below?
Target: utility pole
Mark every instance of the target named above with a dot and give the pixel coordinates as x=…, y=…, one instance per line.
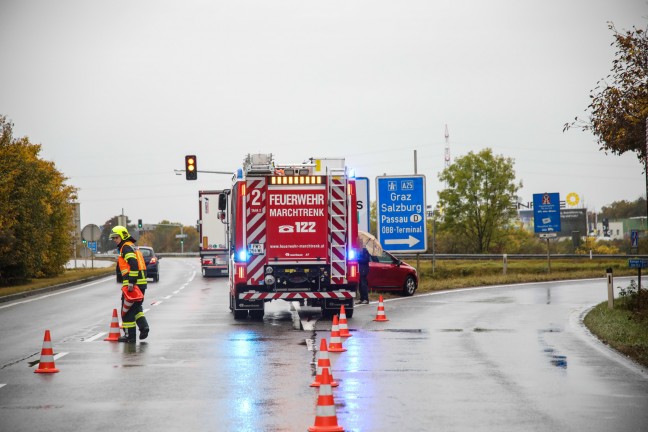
x=646, y=168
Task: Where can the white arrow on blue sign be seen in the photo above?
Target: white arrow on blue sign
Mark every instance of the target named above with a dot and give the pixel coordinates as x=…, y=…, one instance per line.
x=402, y=226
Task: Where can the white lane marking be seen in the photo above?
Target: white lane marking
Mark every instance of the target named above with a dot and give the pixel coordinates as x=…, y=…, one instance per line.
x=176, y=291
x=156, y=303
x=59, y=355
x=2, y=385
x=167, y=297
x=95, y=337
x=55, y=293
x=146, y=310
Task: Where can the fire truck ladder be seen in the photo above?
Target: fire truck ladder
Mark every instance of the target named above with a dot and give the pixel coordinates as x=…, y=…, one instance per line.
x=337, y=192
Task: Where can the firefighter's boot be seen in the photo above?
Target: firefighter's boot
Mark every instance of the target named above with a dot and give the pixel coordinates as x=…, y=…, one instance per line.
x=129, y=337
x=143, y=326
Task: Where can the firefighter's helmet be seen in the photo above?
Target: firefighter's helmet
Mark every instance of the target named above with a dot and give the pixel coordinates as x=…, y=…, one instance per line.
x=119, y=231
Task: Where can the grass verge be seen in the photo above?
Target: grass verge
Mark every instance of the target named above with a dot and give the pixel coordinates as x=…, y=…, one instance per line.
x=624, y=328
x=72, y=275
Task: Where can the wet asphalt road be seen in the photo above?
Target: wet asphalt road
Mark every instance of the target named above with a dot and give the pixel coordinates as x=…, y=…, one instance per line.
x=496, y=359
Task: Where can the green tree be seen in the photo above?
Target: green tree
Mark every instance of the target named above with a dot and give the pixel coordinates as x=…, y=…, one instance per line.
x=619, y=103
x=373, y=218
x=624, y=209
x=36, y=221
x=478, y=201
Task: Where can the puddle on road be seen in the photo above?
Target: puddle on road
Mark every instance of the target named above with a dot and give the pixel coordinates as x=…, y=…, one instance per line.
x=555, y=358
x=482, y=330
x=495, y=300
x=397, y=330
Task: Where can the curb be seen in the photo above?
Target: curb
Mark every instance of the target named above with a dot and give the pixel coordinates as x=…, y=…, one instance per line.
x=24, y=294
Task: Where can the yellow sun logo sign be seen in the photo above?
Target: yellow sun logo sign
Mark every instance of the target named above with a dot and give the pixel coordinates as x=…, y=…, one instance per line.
x=572, y=199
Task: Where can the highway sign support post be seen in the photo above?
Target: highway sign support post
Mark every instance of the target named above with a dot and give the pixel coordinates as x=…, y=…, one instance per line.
x=401, y=218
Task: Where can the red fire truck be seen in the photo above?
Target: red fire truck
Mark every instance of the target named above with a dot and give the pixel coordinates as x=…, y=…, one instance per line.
x=293, y=235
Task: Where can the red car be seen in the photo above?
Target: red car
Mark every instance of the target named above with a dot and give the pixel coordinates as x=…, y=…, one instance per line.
x=388, y=273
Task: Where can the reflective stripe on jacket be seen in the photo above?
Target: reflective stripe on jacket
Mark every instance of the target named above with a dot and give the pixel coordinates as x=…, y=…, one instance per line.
x=125, y=257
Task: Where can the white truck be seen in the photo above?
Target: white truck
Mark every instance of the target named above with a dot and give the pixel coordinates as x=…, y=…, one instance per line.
x=213, y=225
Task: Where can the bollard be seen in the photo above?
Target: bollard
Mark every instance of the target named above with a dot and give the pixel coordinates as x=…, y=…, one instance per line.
x=610, y=285
x=505, y=264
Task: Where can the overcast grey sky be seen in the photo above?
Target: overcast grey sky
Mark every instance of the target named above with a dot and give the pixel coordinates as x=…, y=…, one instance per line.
x=118, y=92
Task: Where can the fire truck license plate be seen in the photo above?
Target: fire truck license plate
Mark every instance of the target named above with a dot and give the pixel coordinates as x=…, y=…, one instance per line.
x=256, y=248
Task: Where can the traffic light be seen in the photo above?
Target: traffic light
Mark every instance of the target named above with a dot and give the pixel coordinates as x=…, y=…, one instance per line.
x=139, y=223
x=191, y=167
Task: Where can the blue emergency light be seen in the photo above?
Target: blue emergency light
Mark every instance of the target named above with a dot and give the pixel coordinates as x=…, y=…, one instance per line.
x=243, y=255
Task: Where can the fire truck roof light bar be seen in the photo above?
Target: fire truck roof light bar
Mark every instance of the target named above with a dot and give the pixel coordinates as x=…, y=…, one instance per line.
x=295, y=180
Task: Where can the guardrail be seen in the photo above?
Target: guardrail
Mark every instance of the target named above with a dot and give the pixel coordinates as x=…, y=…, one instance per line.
x=499, y=257
x=426, y=256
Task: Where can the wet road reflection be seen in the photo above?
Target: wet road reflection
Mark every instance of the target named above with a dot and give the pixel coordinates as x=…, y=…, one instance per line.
x=504, y=359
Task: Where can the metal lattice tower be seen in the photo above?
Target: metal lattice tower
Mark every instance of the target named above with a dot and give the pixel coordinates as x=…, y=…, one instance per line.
x=447, y=147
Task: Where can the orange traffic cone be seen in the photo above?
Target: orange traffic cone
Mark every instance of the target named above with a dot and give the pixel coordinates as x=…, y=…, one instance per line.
x=325, y=420
x=323, y=362
x=380, y=316
x=336, y=342
x=46, y=364
x=113, y=334
x=344, y=328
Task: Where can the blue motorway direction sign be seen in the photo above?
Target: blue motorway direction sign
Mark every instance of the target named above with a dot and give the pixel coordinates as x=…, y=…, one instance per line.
x=546, y=212
x=637, y=263
x=402, y=226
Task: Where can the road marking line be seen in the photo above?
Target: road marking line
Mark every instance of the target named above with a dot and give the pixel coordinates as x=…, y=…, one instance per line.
x=95, y=337
x=59, y=355
x=146, y=310
x=156, y=303
x=176, y=291
x=168, y=297
x=2, y=385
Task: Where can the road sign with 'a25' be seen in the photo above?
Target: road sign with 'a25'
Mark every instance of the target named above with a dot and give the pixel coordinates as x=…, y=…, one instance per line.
x=402, y=226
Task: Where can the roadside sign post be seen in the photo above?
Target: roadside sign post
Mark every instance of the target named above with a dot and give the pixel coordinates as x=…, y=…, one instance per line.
x=634, y=241
x=401, y=219
x=546, y=218
x=638, y=264
x=91, y=233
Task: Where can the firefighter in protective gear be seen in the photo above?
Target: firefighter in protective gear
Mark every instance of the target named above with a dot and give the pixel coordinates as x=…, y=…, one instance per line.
x=133, y=270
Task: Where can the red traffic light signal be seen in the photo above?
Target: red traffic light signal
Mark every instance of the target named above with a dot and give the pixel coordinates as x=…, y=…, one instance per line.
x=191, y=168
